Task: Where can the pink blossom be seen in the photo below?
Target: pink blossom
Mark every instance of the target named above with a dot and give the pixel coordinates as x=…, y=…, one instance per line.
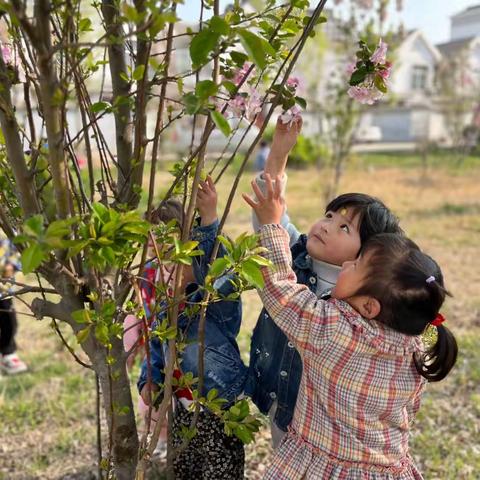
x=365, y=95
x=253, y=104
x=350, y=68
x=293, y=82
x=6, y=53
x=380, y=54
x=291, y=116
x=248, y=105
x=237, y=105
x=241, y=73
x=385, y=72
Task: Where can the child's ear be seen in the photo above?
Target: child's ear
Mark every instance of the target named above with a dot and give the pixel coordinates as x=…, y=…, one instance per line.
x=370, y=307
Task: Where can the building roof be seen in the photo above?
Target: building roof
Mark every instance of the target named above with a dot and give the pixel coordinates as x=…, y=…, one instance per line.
x=455, y=46
x=468, y=11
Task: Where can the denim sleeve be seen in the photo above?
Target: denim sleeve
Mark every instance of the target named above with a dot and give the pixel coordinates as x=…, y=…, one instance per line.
x=285, y=222
x=157, y=361
x=206, y=236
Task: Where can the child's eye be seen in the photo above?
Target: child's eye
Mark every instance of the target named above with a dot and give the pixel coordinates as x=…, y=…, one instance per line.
x=328, y=215
x=345, y=228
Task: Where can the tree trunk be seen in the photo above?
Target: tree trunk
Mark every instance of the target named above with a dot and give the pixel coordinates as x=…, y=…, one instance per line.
x=121, y=421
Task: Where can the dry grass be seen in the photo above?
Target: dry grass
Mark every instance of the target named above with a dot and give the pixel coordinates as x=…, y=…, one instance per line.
x=47, y=415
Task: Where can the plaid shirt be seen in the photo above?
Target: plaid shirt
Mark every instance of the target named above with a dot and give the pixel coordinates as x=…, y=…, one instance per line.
x=359, y=390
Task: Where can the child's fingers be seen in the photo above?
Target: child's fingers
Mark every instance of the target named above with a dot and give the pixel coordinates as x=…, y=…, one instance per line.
x=277, y=187
x=256, y=190
x=211, y=184
x=250, y=201
x=268, y=182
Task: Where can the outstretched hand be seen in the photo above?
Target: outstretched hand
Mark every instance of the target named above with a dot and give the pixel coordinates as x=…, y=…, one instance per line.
x=207, y=201
x=268, y=208
x=285, y=135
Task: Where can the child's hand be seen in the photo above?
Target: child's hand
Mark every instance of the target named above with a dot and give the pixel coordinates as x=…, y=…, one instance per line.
x=148, y=393
x=207, y=201
x=285, y=136
x=269, y=208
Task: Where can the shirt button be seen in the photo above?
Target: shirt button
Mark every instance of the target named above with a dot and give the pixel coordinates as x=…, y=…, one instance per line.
x=290, y=345
x=283, y=373
x=257, y=351
x=273, y=395
x=312, y=280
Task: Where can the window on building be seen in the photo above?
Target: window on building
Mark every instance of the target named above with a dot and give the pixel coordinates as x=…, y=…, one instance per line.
x=420, y=77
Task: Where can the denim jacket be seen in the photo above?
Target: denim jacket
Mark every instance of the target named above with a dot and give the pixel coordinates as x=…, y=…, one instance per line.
x=275, y=365
x=223, y=366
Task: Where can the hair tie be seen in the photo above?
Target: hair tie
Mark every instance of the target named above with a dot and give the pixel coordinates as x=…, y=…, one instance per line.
x=430, y=279
x=438, y=320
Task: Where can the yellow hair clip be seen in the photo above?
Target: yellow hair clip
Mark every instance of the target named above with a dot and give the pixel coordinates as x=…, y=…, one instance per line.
x=343, y=211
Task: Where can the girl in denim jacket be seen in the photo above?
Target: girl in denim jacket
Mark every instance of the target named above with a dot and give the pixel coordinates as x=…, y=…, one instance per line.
x=211, y=454
x=275, y=366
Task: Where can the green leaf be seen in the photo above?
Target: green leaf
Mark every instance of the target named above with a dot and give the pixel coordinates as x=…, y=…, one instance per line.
x=380, y=84
x=221, y=122
x=101, y=333
x=243, y=433
x=219, y=25
x=82, y=335
x=239, y=58
x=192, y=103
x=226, y=243
x=302, y=102
x=85, y=25
x=34, y=225
x=358, y=76
x=252, y=273
x=138, y=73
x=218, y=266
x=263, y=262
x=229, y=86
x=101, y=211
x=100, y=107
x=213, y=393
x=201, y=45
x=32, y=257
x=256, y=47
x=205, y=89
x=82, y=316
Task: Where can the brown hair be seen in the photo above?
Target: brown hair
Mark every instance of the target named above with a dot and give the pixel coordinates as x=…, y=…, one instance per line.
x=397, y=278
x=170, y=209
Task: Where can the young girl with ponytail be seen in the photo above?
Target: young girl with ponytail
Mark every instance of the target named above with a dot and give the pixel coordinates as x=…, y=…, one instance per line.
x=364, y=363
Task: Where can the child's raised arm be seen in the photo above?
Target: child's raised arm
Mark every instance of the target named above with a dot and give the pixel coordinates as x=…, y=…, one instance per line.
x=305, y=319
x=284, y=139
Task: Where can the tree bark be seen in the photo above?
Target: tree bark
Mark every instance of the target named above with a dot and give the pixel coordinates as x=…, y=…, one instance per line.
x=121, y=90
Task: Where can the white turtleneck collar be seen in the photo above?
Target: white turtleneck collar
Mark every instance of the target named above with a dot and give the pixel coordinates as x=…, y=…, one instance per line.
x=326, y=274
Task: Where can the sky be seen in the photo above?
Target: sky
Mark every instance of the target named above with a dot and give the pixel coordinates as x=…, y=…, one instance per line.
x=430, y=16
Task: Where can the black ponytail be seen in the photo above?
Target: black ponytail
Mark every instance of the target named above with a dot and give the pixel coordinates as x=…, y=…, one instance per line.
x=439, y=359
x=413, y=298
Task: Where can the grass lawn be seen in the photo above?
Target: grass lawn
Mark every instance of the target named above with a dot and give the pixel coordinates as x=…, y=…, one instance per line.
x=48, y=414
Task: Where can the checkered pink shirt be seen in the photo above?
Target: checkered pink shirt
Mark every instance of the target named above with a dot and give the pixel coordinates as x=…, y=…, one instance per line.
x=359, y=390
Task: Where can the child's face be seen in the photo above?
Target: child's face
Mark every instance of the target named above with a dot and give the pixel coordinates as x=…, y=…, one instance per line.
x=335, y=238
x=351, y=278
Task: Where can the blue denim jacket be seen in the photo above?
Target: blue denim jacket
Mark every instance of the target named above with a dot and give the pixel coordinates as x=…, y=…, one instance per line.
x=275, y=365
x=223, y=366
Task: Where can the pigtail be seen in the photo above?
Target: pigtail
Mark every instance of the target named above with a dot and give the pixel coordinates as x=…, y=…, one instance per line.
x=439, y=359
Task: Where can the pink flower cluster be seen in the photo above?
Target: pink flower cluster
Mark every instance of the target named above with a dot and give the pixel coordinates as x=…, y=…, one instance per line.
x=368, y=91
x=248, y=100
x=12, y=62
